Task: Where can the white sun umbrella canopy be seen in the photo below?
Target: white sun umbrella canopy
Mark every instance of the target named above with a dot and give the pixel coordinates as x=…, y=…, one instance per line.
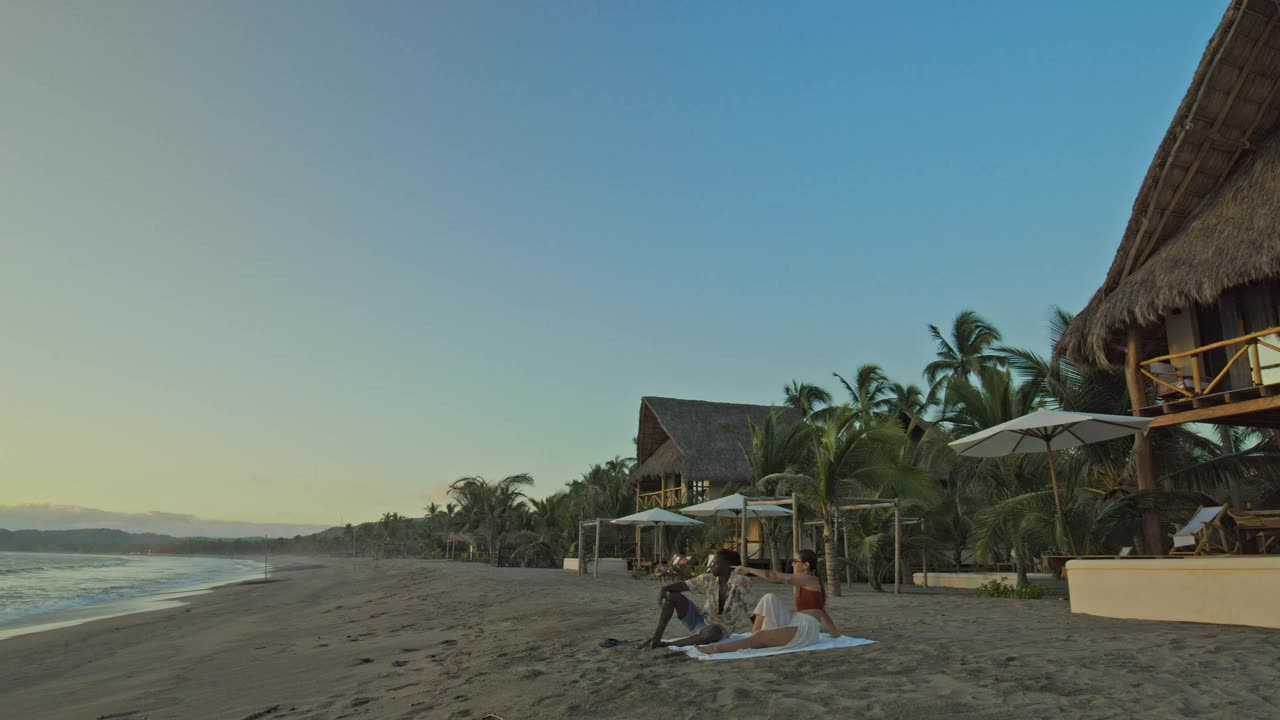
x=1056, y=429
x=1046, y=431
x=735, y=505
x=656, y=517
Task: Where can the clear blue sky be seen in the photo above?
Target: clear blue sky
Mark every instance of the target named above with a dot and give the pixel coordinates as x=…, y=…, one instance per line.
x=297, y=261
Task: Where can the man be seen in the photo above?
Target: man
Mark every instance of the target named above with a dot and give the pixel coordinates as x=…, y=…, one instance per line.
x=723, y=600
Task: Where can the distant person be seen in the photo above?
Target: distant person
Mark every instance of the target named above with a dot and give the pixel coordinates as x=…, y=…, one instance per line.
x=777, y=626
x=722, y=599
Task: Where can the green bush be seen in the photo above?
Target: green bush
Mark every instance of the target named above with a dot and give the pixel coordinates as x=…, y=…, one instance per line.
x=1002, y=589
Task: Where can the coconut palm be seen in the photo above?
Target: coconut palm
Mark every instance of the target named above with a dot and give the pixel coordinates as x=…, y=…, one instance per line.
x=850, y=456
x=869, y=392
x=775, y=448
x=489, y=508
x=969, y=349
x=806, y=398
x=546, y=536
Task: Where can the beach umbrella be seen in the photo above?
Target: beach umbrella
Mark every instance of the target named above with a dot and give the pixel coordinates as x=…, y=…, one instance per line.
x=1045, y=431
x=735, y=505
x=656, y=517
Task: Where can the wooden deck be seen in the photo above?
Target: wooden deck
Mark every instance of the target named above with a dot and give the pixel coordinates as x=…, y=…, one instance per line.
x=1257, y=406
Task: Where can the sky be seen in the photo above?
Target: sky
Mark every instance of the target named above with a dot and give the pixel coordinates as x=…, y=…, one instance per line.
x=308, y=262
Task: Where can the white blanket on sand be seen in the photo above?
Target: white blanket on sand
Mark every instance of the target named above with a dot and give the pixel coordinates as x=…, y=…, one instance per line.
x=825, y=642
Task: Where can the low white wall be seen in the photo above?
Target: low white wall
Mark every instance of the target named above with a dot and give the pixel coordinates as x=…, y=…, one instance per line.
x=1241, y=590
x=971, y=580
x=608, y=566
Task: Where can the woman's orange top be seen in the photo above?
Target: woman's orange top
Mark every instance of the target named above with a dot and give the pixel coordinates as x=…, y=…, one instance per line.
x=807, y=599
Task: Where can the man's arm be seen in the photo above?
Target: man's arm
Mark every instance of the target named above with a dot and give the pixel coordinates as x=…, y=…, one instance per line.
x=679, y=586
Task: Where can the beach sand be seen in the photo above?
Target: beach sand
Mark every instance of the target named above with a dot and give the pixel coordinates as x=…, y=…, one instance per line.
x=432, y=639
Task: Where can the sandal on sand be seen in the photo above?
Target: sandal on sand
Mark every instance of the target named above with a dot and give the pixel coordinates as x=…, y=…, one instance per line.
x=613, y=642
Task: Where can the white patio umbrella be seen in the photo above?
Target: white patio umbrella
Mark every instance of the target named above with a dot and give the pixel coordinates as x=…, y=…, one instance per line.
x=656, y=517
x=735, y=505
x=1046, y=431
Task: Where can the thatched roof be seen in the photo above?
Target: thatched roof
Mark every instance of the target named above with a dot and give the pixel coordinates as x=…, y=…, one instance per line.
x=688, y=437
x=1198, y=224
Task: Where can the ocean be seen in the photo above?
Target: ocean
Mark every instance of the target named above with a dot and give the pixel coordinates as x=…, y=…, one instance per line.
x=39, y=591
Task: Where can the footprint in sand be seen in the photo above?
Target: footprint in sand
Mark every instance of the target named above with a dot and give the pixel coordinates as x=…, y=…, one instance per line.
x=361, y=661
x=399, y=663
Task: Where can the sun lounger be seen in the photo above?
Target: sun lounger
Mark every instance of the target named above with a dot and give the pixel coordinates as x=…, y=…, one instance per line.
x=1196, y=537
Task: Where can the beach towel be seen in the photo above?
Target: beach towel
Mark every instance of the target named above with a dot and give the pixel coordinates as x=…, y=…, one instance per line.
x=825, y=642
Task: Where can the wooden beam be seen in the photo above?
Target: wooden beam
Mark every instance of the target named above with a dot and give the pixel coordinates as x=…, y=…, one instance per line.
x=595, y=566
x=1271, y=402
x=795, y=526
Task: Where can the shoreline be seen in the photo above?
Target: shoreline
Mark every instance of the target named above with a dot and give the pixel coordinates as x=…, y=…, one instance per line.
x=338, y=638
x=77, y=615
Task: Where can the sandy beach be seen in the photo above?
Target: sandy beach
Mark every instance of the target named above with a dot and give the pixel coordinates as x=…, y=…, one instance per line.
x=432, y=639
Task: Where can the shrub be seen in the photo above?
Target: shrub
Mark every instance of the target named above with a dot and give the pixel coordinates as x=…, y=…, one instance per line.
x=1001, y=589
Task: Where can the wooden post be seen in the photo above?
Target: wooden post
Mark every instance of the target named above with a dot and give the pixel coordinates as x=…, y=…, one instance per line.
x=897, y=547
x=582, y=556
x=924, y=558
x=1152, y=536
x=742, y=534
x=795, y=525
x=595, y=565
x=848, y=566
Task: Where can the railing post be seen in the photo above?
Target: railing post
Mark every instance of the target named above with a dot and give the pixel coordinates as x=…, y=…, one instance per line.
x=1256, y=362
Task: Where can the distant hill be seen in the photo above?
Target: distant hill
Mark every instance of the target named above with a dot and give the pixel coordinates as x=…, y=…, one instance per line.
x=106, y=540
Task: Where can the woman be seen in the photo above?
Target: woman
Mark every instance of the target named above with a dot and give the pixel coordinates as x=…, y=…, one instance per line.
x=775, y=625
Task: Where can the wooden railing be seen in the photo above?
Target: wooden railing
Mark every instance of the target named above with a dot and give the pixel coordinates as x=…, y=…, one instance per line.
x=1248, y=344
x=671, y=497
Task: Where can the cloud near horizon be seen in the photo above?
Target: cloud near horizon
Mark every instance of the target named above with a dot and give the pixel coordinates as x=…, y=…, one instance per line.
x=72, y=517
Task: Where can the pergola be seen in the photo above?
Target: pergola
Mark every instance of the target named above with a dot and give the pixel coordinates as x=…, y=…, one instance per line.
x=855, y=503
x=595, y=561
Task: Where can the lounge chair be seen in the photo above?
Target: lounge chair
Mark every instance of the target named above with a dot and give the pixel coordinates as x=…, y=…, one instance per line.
x=1196, y=537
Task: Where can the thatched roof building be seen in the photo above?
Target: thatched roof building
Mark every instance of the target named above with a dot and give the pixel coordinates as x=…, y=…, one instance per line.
x=697, y=441
x=1204, y=218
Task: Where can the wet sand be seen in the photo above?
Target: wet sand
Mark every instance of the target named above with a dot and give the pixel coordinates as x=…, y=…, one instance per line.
x=431, y=639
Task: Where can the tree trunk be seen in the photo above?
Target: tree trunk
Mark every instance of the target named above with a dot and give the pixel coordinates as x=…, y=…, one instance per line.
x=833, y=559
x=873, y=577
x=957, y=552
x=1020, y=564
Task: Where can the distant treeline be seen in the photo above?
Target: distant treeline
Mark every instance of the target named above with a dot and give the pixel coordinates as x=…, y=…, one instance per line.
x=119, y=541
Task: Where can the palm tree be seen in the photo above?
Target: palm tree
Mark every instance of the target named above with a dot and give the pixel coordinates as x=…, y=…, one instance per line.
x=964, y=354
x=490, y=507
x=551, y=524
x=850, y=456
x=869, y=392
x=806, y=398
x=775, y=449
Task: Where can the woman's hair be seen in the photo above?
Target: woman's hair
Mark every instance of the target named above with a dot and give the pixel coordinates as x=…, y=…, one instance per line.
x=811, y=557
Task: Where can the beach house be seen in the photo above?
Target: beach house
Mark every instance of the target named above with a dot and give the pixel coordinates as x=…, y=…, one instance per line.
x=1191, y=303
x=688, y=451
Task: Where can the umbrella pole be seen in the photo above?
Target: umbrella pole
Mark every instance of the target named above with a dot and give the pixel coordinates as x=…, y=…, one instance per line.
x=742, y=535
x=595, y=566
x=1059, y=518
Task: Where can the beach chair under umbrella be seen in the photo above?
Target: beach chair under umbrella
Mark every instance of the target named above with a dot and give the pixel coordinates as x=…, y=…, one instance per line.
x=656, y=517
x=1046, y=431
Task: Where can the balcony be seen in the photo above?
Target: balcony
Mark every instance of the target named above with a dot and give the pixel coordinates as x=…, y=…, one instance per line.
x=670, y=498
x=1244, y=391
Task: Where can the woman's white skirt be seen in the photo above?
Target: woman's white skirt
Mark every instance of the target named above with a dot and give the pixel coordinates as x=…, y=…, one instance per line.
x=778, y=615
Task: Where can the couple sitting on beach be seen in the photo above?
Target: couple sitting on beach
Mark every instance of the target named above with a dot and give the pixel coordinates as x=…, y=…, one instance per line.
x=724, y=593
